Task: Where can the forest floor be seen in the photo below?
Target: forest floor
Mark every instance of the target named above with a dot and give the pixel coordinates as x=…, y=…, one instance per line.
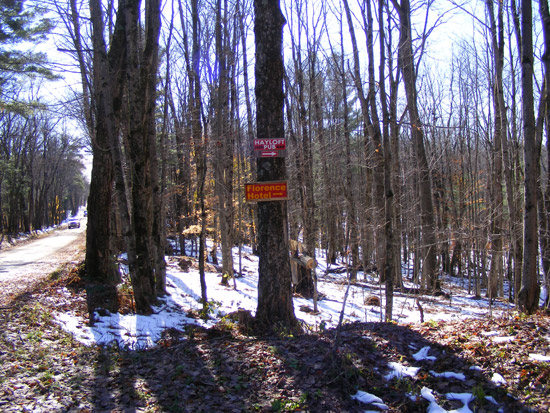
x=222, y=370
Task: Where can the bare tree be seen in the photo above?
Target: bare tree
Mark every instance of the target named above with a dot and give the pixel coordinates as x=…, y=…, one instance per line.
x=224, y=139
x=390, y=252
x=407, y=66
x=530, y=290
x=544, y=200
x=373, y=136
x=99, y=256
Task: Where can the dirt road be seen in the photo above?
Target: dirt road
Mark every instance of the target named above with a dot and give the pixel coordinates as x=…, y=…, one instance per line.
x=24, y=265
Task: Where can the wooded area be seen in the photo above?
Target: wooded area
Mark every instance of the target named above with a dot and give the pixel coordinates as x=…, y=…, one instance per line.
x=394, y=155
x=41, y=180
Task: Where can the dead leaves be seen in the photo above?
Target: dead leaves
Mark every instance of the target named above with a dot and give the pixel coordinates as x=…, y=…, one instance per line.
x=504, y=346
x=221, y=369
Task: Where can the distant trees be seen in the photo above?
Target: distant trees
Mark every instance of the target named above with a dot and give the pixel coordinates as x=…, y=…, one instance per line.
x=40, y=173
x=40, y=161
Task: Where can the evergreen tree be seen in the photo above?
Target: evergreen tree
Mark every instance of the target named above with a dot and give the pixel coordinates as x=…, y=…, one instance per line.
x=21, y=26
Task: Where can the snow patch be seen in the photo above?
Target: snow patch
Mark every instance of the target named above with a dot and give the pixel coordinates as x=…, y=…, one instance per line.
x=539, y=357
x=434, y=407
x=449, y=375
x=423, y=354
x=500, y=340
x=398, y=370
x=498, y=379
x=490, y=333
x=368, y=398
x=427, y=394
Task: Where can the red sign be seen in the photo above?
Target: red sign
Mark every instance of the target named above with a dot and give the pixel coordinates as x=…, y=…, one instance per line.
x=269, y=144
x=266, y=191
x=269, y=148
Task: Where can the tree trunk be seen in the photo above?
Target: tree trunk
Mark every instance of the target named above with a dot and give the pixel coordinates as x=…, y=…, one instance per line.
x=200, y=144
x=142, y=154
x=389, y=256
x=545, y=102
x=99, y=260
x=373, y=148
x=224, y=146
x=529, y=293
x=275, y=305
x=407, y=65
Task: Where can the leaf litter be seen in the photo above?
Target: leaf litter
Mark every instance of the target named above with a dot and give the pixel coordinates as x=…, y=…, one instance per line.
x=215, y=367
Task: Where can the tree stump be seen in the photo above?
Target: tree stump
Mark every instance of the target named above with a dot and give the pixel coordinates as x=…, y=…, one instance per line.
x=302, y=267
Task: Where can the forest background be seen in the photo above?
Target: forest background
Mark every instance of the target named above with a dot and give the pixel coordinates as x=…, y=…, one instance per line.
x=405, y=143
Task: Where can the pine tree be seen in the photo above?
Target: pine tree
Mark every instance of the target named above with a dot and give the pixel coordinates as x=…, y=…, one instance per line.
x=21, y=25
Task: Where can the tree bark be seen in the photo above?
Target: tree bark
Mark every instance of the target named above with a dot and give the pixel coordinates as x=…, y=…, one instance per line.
x=275, y=305
x=99, y=258
x=373, y=146
x=199, y=143
x=223, y=167
x=530, y=290
x=389, y=256
x=545, y=102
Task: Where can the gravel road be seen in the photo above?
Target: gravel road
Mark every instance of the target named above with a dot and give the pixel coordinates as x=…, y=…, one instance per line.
x=24, y=265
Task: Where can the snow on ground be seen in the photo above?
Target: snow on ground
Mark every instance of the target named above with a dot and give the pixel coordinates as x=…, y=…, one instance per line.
x=449, y=375
x=465, y=398
x=137, y=331
x=184, y=292
x=398, y=370
x=539, y=357
x=368, y=398
x=423, y=354
x=498, y=379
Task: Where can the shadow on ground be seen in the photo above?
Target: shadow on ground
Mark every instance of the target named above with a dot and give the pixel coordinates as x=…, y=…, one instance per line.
x=220, y=369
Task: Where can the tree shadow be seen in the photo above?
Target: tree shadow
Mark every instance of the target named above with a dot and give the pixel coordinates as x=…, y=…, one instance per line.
x=219, y=369
x=381, y=349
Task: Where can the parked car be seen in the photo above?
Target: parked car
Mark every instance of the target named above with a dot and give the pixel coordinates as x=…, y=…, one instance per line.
x=74, y=223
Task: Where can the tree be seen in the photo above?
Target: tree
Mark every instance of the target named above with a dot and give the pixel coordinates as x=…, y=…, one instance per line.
x=407, y=66
x=100, y=263
x=200, y=144
x=225, y=140
x=125, y=84
x=544, y=200
x=148, y=269
x=20, y=23
x=499, y=132
x=275, y=306
x=373, y=135
x=529, y=293
x=389, y=270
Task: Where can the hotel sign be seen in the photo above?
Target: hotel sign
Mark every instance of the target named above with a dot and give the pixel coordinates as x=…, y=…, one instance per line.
x=266, y=191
